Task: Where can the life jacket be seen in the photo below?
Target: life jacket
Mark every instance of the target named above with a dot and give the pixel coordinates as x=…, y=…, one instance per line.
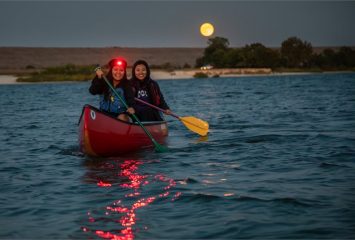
x=113, y=104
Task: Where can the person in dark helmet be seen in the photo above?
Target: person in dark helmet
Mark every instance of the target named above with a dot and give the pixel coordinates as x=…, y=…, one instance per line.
x=148, y=90
x=109, y=102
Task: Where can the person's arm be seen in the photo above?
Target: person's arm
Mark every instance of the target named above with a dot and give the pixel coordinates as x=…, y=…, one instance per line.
x=163, y=103
x=129, y=96
x=97, y=84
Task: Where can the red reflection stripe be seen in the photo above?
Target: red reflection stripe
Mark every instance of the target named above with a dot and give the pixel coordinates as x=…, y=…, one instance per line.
x=118, y=209
x=103, y=184
x=127, y=214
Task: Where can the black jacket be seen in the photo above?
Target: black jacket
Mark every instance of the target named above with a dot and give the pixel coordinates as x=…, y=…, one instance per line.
x=155, y=97
x=153, y=89
x=99, y=86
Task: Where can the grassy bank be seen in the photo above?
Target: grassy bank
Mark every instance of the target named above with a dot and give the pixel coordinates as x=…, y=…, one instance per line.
x=56, y=74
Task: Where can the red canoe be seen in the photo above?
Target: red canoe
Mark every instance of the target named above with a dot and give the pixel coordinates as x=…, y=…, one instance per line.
x=103, y=135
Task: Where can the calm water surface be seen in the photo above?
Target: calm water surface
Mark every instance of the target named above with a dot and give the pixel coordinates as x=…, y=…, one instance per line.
x=279, y=163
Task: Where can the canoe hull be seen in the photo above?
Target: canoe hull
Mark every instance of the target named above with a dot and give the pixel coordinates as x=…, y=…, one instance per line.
x=103, y=135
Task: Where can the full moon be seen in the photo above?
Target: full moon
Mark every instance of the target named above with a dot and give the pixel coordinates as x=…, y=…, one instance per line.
x=207, y=29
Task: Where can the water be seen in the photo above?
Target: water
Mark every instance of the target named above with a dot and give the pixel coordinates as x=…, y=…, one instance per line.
x=278, y=163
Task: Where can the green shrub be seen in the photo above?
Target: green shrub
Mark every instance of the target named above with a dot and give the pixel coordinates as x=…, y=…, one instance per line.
x=200, y=75
x=30, y=67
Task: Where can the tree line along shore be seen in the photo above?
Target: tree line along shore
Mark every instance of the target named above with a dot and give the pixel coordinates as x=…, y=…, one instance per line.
x=217, y=59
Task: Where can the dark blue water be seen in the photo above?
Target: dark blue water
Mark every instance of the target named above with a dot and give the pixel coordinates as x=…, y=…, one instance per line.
x=279, y=163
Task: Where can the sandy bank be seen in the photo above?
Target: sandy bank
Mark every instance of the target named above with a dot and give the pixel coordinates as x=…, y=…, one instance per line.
x=156, y=75
x=223, y=72
x=178, y=74
x=8, y=79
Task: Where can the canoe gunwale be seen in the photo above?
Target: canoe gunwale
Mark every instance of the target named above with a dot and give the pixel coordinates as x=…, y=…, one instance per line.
x=119, y=120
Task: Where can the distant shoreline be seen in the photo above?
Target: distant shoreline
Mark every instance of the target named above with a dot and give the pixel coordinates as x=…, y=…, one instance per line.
x=184, y=74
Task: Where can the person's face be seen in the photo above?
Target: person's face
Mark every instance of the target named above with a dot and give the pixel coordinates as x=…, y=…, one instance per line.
x=117, y=73
x=140, y=71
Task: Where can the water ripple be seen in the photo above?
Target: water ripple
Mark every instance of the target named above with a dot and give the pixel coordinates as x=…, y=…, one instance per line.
x=278, y=163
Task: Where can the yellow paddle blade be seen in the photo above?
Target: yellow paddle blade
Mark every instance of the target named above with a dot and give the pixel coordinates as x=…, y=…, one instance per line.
x=196, y=125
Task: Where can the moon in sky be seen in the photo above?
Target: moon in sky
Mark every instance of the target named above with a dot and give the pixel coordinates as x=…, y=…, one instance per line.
x=207, y=29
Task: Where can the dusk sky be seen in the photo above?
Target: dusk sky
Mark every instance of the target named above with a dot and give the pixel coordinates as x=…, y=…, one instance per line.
x=174, y=23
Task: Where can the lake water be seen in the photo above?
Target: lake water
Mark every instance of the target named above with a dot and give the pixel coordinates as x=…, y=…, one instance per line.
x=279, y=162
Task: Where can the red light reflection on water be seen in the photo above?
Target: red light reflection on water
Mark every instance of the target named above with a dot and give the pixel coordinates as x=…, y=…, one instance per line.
x=135, y=182
x=103, y=184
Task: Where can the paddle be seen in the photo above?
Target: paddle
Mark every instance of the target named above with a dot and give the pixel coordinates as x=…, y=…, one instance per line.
x=158, y=147
x=194, y=124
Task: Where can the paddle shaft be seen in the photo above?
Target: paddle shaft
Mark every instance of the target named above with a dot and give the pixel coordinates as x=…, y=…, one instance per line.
x=156, y=144
x=153, y=106
x=183, y=119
